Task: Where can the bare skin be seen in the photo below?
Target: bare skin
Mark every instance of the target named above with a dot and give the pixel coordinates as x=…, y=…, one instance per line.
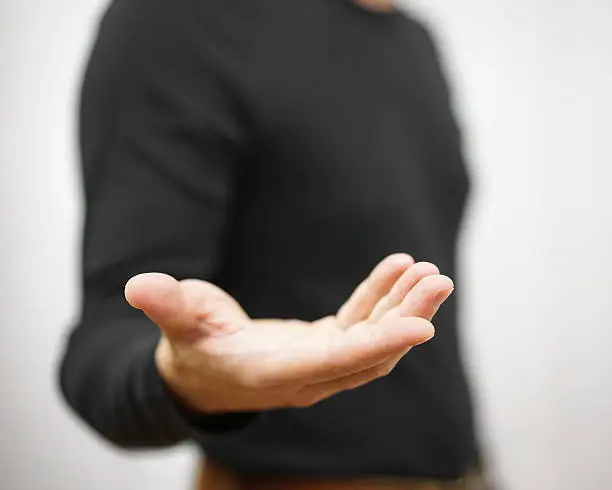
x=377, y=5
x=217, y=359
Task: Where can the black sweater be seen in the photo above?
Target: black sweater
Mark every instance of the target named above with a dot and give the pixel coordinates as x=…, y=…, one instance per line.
x=279, y=149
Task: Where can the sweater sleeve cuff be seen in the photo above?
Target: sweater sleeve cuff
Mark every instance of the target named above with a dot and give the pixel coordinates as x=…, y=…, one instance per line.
x=194, y=422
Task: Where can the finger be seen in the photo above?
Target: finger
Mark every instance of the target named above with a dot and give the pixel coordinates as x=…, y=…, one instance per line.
x=423, y=301
x=376, y=349
x=183, y=310
x=426, y=297
x=360, y=347
x=371, y=290
x=402, y=287
x=159, y=296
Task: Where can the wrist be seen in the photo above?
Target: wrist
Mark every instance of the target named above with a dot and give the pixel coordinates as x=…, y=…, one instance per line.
x=196, y=417
x=166, y=367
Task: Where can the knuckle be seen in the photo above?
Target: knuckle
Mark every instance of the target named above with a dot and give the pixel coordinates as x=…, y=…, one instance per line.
x=398, y=259
x=427, y=268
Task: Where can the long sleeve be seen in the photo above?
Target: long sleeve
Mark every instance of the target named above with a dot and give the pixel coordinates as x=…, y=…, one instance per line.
x=161, y=147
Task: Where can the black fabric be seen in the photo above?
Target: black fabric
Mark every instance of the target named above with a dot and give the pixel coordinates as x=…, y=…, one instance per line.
x=280, y=149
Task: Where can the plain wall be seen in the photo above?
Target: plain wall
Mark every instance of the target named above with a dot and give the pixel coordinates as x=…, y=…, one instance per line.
x=533, y=84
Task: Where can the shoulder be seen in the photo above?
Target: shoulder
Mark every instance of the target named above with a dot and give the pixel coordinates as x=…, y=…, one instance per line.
x=167, y=28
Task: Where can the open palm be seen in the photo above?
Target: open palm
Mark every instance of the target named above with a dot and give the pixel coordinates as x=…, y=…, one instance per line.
x=217, y=359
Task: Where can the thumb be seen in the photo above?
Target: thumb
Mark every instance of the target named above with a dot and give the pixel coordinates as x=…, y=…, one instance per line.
x=185, y=310
x=160, y=297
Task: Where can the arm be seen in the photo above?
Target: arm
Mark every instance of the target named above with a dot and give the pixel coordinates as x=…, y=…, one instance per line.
x=160, y=149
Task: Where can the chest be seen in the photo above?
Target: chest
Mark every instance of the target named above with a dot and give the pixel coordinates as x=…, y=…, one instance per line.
x=345, y=117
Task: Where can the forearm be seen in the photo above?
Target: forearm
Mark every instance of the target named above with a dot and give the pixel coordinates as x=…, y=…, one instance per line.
x=158, y=179
x=108, y=376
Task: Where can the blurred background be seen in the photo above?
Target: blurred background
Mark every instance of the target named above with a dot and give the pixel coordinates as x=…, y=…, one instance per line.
x=532, y=82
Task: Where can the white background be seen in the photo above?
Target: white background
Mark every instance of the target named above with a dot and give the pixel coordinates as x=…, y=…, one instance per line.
x=534, y=84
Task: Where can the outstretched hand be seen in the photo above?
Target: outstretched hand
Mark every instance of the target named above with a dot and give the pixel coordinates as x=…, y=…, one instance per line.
x=217, y=359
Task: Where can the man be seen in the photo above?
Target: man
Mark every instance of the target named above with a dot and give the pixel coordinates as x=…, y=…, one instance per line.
x=263, y=155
